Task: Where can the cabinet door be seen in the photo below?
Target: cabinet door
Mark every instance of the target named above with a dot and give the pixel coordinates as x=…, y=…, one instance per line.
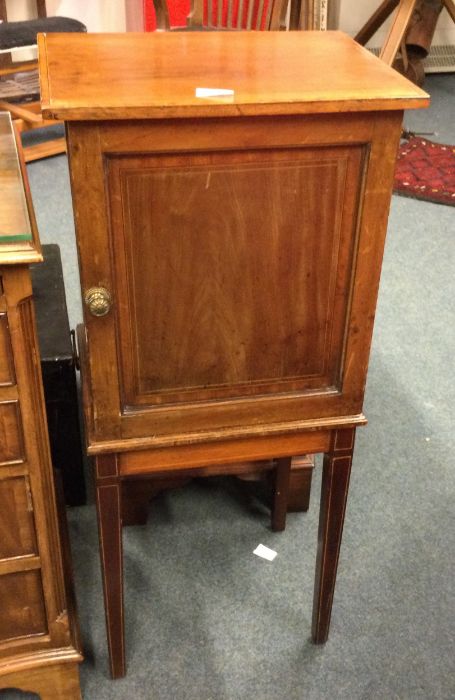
x=231, y=251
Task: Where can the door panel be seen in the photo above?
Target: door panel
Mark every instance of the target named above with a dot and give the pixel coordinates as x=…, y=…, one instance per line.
x=232, y=279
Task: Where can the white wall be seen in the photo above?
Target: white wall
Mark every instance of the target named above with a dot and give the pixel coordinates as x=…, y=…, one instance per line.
x=111, y=16
x=19, y=9
x=97, y=15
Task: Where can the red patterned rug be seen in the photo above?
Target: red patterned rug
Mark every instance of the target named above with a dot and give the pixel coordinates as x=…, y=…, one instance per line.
x=426, y=170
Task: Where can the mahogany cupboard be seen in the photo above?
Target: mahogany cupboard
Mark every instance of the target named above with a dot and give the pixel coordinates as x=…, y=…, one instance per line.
x=39, y=646
x=231, y=194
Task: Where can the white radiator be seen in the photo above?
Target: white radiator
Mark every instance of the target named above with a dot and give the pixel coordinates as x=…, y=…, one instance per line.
x=441, y=59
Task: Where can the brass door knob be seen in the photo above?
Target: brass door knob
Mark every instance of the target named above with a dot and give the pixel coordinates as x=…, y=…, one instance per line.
x=98, y=301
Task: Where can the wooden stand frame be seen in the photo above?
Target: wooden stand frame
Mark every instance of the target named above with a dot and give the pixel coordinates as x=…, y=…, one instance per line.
x=137, y=493
x=339, y=445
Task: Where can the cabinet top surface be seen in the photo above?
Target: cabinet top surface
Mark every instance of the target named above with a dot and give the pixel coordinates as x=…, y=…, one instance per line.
x=156, y=75
x=17, y=241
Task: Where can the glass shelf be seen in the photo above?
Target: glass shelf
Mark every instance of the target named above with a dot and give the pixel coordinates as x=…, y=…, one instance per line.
x=17, y=240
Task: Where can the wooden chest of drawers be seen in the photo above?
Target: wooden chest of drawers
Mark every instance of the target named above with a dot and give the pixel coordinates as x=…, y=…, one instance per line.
x=39, y=648
x=230, y=251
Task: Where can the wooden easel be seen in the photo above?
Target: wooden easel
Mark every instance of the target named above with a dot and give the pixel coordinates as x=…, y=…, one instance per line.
x=397, y=33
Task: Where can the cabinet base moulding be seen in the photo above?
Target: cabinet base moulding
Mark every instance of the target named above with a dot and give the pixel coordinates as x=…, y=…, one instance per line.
x=59, y=681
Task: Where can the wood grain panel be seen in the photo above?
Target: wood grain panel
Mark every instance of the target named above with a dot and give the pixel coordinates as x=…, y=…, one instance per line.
x=54, y=681
x=224, y=452
x=16, y=518
x=232, y=254
x=155, y=75
x=23, y=610
x=11, y=443
x=6, y=357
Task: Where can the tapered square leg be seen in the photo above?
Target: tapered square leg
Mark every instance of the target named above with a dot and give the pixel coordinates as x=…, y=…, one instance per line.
x=280, y=493
x=299, y=494
x=334, y=492
x=108, y=501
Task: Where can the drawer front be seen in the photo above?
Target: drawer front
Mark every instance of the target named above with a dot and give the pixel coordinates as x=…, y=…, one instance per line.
x=23, y=608
x=17, y=527
x=11, y=441
x=7, y=377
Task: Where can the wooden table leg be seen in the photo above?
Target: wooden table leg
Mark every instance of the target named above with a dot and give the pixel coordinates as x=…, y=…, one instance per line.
x=376, y=20
x=280, y=493
x=450, y=7
x=108, y=502
x=334, y=492
x=300, y=483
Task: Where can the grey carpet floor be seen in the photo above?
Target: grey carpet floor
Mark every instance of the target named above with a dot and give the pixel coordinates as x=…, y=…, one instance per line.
x=205, y=618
